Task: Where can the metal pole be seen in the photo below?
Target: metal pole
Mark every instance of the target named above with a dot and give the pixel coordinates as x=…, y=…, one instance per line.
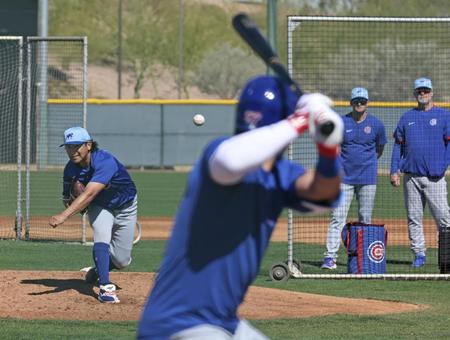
x=161, y=143
x=42, y=153
x=119, y=52
x=85, y=80
x=272, y=26
x=180, y=47
x=85, y=91
x=19, y=141
x=28, y=145
x=43, y=18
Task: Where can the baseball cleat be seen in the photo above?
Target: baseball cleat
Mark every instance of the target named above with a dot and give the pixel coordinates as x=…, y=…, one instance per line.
x=107, y=294
x=419, y=261
x=328, y=263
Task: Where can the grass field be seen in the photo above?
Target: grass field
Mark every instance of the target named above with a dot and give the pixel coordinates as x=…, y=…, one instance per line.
x=398, y=259
x=159, y=194
x=431, y=323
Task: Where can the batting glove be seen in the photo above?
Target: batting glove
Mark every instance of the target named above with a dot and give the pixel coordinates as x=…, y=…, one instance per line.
x=299, y=120
x=320, y=113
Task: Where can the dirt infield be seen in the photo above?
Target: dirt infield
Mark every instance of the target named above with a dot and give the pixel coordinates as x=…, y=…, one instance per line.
x=64, y=296
x=307, y=231
x=158, y=228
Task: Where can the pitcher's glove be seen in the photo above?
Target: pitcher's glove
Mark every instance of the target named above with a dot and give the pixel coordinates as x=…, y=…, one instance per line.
x=76, y=189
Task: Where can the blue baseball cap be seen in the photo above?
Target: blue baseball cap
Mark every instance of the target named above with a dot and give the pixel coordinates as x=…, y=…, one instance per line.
x=360, y=92
x=76, y=135
x=423, y=82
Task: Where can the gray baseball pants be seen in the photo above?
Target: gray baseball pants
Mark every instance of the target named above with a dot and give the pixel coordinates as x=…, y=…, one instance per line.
x=244, y=331
x=116, y=228
x=419, y=190
x=365, y=196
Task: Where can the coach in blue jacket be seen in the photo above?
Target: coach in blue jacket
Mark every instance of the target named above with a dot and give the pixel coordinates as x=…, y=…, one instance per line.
x=363, y=144
x=420, y=152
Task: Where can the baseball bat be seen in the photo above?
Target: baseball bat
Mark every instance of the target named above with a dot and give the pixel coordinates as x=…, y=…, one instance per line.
x=249, y=31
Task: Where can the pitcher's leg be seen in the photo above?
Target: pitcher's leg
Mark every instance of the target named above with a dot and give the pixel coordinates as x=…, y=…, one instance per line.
x=102, y=222
x=123, y=235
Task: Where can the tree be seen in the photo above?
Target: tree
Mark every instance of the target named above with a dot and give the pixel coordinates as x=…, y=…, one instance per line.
x=143, y=40
x=387, y=69
x=225, y=69
x=98, y=23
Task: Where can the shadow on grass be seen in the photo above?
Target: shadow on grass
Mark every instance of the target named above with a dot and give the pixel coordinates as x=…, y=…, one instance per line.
x=398, y=262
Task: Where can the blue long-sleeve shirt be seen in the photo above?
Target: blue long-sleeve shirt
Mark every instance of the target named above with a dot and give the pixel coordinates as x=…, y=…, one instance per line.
x=359, y=149
x=421, y=139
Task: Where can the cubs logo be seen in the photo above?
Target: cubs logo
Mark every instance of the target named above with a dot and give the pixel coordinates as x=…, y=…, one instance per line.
x=252, y=118
x=367, y=129
x=433, y=122
x=376, y=251
x=69, y=136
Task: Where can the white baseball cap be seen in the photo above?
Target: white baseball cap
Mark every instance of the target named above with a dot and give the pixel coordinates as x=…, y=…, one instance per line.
x=360, y=92
x=76, y=135
x=423, y=82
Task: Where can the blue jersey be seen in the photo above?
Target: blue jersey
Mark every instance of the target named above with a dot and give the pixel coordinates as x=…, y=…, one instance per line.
x=358, y=155
x=218, y=240
x=423, y=138
x=106, y=169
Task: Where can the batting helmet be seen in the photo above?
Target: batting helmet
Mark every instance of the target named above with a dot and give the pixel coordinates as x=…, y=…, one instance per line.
x=264, y=100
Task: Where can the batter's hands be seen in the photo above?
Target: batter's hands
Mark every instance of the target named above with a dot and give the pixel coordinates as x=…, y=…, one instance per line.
x=395, y=180
x=319, y=108
x=57, y=220
x=299, y=120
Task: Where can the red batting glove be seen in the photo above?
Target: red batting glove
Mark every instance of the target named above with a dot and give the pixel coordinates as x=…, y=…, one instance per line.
x=299, y=120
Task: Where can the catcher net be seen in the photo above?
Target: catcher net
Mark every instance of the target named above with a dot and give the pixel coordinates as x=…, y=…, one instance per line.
x=56, y=100
x=332, y=55
x=11, y=100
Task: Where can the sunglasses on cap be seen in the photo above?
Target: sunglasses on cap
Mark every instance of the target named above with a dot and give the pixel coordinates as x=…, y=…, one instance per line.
x=421, y=90
x=359, y=101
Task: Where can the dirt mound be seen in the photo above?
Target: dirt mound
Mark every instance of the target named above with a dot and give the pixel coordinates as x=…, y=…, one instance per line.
x=65, y=296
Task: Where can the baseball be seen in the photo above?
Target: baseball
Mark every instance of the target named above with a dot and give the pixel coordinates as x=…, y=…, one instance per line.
x=199, y=119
